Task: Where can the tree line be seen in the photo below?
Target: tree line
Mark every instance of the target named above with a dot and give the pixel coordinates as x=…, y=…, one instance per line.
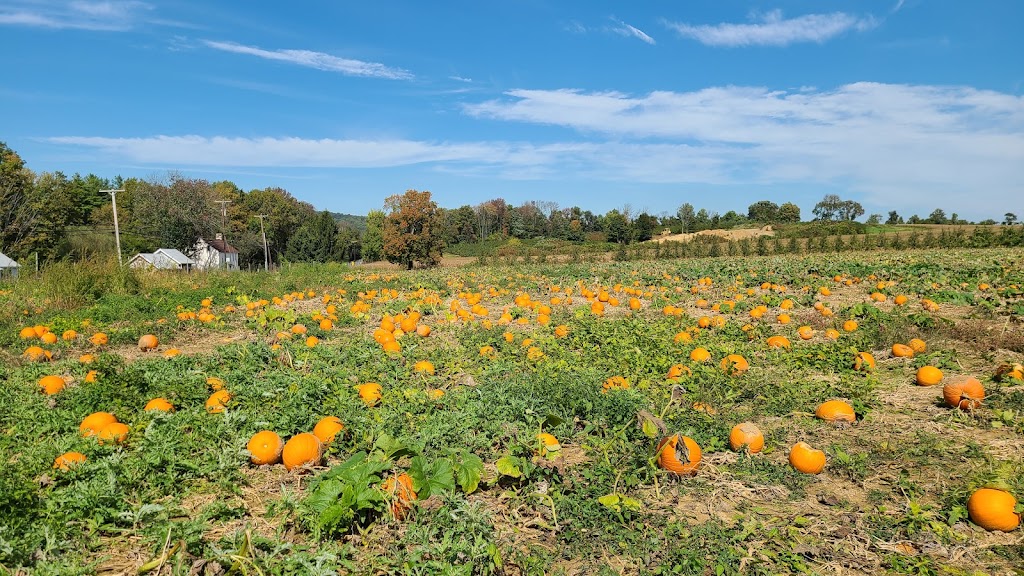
x=60, y=217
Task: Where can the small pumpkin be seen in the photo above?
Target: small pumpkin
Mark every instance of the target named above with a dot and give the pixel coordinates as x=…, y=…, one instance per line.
x=370, y=393
x=265, y=447
x=93, y=423
x=864, y=362
x=928, y=376
x=700, y=355
x=778, y=341
x=805, y=332
x=902, y=351
x=679, y=454
x=424, y=367
x=965, y=393
x=67, y=460
x=804, y=458
x=51, y=384
x=215, y=403
x=327, y=428
x=37, y=354
x=99, y=339
x=836, y=411
x=148, y=343
x=159, y=405
x=918, y=346
x=993, y=509
x=746, y=435
x=850, y=325
x=302, y=450
x=113, y=433
x=734, y=364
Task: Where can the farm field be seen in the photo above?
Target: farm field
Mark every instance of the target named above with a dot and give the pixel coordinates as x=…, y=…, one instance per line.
x=512, y=420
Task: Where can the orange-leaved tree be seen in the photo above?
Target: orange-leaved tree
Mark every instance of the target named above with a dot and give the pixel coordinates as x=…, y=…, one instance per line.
x=413, y=229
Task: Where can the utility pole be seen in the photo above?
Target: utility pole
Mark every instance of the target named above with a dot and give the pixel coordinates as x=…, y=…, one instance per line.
x=117, y=231
x=266, y=253
x=223, y=225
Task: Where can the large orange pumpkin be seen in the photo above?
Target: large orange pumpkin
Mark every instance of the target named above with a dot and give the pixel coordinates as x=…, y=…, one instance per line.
x=159, y=405
x=327, y=428
x=836, y=411
x=734, y=364
x=965, y=393
x=148, y=343
x=215, y=403
x=93, y=423
x=113, y=433
x=746, y=435
x=993, y=509
x=370, y=393
x=902, y=351
x=265, y=447
x=51, y=385
x=700, y=355
x=804, y=458
x=928, y=376
x=302, y=450
x=864, y=362
x=679, y=454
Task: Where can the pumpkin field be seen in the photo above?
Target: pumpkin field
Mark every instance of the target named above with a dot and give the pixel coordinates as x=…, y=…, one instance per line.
x=854, y=413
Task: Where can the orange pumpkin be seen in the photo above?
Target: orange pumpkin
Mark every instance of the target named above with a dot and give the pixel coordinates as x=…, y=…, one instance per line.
x=51, y=385
x=37, y=354
x=700, y=355
x=99, y=339
x=864, y=362
x=993, y=509
x=265, y=447
x=965, y=393
x=734, y=364
x=805, y=332
x=424, y=367
x=93, y=423
x=115, y=433
x=850, y=325
x=804, y=458
x=67, y=460
x=215, y=403
x=746, y=435
x=902, y=351
x=778, y=341
x=302, y=450
x=928, y=376
x=918, y=346
x=400, y=489
x=836, y=411
x=327, y=428
x=148, y=343
x=679, y=454
x=159, y=405
x=370, y=393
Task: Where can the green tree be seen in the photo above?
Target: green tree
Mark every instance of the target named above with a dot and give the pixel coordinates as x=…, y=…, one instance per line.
x=764, y=211
x=314, y=240
x=894, y=218
x=644, y=226
x=616, y=227
x=938, y=216
x=413, y=229
x=686, y=217
x=789, y=213
x=874, y=220
x=18, y=214
x=1009, y=219
x=347, y=244
x=373, y=239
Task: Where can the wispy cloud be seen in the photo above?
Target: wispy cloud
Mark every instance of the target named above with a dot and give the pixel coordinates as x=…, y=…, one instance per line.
x=110, y=15
x=901, y=146
x=461, y=79
x=623, y=29
x=772, y=29
x=316, y=60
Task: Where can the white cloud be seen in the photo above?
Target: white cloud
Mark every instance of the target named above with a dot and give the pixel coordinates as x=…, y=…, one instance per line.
x=108, y=16
x=774, y=30
x=896, y=144
x=317, y=60
x=629, y=31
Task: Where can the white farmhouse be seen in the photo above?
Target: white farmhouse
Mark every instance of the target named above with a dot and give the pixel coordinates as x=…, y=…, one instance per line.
x=162, y=259
x=8, y=267
x=215, y=254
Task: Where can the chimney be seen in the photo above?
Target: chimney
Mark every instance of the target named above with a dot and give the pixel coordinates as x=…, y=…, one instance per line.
x=218, y=236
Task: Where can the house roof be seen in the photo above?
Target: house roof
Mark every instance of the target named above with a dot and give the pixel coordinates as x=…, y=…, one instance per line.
x=147, y=256
x=175, y=255
x=6, y=262
x=221, y=245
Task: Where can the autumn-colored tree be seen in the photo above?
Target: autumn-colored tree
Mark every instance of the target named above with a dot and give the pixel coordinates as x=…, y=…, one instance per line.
x=413, y=229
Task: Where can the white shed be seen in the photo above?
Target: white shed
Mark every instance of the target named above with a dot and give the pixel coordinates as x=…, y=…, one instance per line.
x=8, y=267
x=215, y=254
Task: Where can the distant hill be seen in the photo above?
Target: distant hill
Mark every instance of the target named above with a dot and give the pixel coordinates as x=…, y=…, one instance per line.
x=351, y=220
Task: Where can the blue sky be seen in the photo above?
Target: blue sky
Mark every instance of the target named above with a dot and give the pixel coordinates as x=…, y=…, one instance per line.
x=901, y=104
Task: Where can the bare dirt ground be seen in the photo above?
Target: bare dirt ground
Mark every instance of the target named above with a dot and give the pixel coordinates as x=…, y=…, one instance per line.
x=737, y=234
